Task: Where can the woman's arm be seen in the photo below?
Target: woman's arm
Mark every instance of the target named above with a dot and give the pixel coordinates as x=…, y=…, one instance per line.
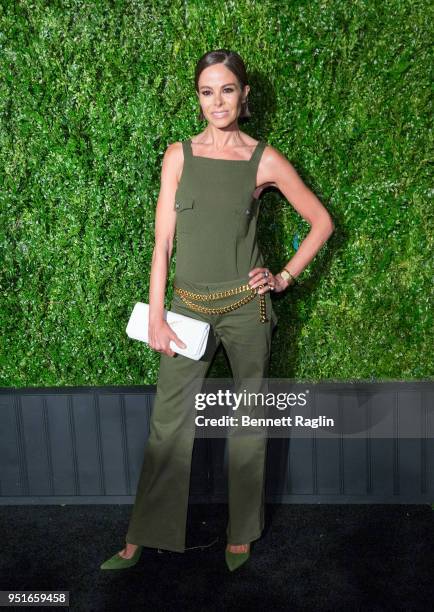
x=160, y=333
x=275, y=170
x=165, y=223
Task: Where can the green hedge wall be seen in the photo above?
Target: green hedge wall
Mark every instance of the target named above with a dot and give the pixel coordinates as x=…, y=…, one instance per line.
x=91, y=95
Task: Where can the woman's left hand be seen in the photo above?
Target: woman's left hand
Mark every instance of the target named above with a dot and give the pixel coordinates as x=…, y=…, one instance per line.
x=259, y=276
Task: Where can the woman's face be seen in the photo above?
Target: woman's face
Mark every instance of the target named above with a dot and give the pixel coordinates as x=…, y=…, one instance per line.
x=220, y=95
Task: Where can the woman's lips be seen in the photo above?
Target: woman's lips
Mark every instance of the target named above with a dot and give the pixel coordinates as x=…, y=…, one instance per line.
x=219, y=114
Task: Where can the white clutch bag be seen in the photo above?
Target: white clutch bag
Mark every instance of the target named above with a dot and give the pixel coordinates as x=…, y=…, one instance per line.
x=193, y=333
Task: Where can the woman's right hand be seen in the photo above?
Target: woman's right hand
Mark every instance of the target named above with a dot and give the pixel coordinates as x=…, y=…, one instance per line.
x=159, y=336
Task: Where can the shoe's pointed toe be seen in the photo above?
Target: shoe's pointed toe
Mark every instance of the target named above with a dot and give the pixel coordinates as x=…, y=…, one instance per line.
x=118, y=562
x=235, y=560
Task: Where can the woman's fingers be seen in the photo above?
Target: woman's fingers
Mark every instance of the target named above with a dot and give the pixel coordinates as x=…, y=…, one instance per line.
x=258, y=278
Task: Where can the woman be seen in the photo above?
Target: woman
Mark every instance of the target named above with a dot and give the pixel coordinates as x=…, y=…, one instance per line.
x=209, y=192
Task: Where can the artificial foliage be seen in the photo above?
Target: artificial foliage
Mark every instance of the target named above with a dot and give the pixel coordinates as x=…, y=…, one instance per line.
x=91, y=95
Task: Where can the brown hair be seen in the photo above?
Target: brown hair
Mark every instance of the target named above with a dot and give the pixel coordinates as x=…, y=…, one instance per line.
x=234, y=62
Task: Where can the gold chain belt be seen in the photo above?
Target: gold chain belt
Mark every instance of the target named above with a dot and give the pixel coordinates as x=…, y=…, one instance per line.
x=218, y=295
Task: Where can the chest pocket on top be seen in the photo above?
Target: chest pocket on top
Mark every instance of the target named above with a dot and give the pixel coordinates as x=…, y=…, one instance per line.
x=186, y=217
x=244, y=216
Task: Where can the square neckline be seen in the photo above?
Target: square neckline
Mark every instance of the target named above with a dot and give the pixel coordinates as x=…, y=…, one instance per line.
x=246, y=161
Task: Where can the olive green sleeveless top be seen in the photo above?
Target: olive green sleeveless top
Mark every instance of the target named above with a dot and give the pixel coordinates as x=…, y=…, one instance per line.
x=216, y=217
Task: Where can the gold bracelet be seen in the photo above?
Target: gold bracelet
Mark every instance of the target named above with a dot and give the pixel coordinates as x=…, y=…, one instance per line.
x=293, y=277
x=286, y=275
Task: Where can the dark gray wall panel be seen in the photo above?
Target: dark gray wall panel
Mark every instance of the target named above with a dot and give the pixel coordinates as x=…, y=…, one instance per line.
x=59, y=445
x=86, y=445
x=87, y=474
x=11, y=463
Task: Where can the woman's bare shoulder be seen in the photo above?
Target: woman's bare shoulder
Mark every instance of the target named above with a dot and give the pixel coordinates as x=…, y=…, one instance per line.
x=174, y=149
x=174, y=154
x=173, y=161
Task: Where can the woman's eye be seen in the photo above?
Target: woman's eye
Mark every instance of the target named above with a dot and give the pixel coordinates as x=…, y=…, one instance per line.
x=226, y=90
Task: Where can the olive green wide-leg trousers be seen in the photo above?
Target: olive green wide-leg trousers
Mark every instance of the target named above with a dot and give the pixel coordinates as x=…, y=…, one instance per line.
x=159, y=514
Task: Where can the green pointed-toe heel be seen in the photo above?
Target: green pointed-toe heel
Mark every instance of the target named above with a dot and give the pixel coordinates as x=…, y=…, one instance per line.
x=118, y=562
x=235, y=560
